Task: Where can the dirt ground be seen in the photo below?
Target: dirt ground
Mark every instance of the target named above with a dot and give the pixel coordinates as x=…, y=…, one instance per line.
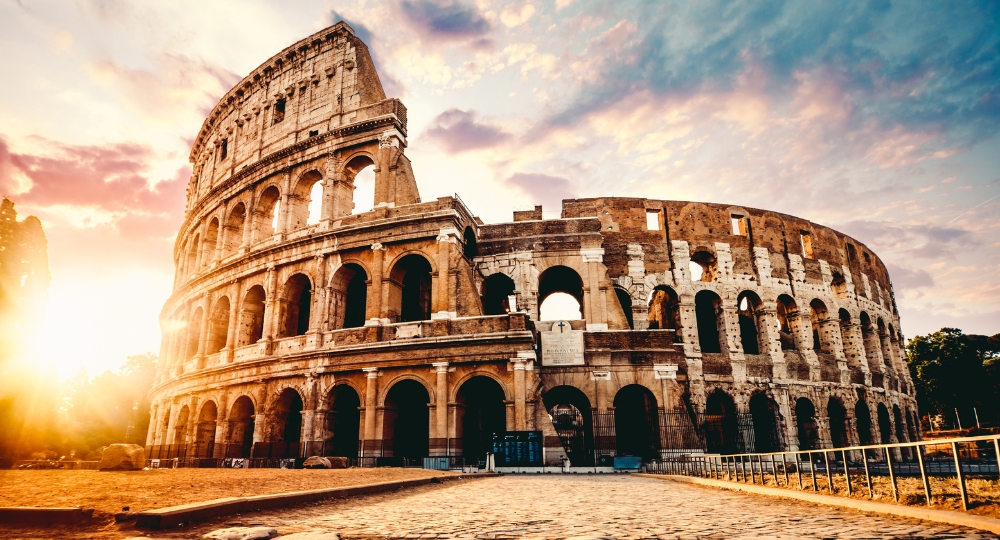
x=109, y=491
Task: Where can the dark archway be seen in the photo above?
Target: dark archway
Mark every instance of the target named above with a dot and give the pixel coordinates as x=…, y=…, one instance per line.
x=808, y=428
x=787, y=313
x=664, y=311
x=573, y=421
x=194, y=334
x=897, y=415
x=405, y=426
x=410, y=289
x=350, y=296
x=559, y=279
x=837, y=413
x=637, y=423
x=708, y=309
x=240, y=436
x=204, y=438
x=218, y=329
x=497, y=289
x=343, y=421
x=748, y=304
x=722, y=434
x=482, y=413
x=884, y=424
x=266, y=214
x=286, y=426
x=766, y=417
x=359, y=172
x=470, y=249
x=863, y=421
x=296, y=300
x=252, y=316
x=625, y=301
x=232, y=233
x=181, y=426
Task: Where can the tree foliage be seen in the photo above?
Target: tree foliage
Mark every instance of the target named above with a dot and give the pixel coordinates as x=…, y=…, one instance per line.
x=952, y=370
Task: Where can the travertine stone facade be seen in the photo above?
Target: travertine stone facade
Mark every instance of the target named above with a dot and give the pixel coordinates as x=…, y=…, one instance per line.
x=414, y=329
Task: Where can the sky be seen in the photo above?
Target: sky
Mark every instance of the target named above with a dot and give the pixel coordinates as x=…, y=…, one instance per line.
x=876, y=118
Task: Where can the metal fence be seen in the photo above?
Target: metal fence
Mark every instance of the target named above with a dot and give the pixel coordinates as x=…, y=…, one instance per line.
x=959, y=458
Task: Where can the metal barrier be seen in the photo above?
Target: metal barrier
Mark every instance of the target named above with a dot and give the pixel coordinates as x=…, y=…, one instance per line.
x=960, y=458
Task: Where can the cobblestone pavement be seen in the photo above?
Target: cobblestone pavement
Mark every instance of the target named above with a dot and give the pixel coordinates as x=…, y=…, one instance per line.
x=580, y=506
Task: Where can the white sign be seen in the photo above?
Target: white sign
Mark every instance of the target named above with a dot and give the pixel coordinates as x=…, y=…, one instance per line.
x=562, y=346
x=601, y=375
x=665, y=371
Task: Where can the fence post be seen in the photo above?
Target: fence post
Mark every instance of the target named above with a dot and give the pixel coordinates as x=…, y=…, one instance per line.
x=784, y=468
x=829, y=472
x=923, y=474
x=798, y=469
x=892, y=472
x=774, y=471
x=961, y=476
x=847, y=472
x=868, y=475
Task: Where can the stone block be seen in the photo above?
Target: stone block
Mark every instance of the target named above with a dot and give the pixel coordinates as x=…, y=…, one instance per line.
x=122, y=457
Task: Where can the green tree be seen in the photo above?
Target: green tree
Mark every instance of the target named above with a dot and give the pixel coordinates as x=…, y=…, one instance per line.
x=952, y=370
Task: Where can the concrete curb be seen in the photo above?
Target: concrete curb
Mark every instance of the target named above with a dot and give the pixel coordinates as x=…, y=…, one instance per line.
x=949, y=517
x=23, y=515
x=173, y=516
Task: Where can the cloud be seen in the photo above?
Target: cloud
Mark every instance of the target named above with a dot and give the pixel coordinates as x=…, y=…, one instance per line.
x=458, y=131
x=445, y=20
x=392, y=85
x=905, y=278
x=544, y=189
x=914, y=240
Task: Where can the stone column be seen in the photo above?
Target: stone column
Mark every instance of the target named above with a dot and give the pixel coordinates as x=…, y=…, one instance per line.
x=371, y=401
x=203, y=330
x=154, y=411
x=441, y=401
x=270, y=306
x=375, y=289
x=283, y=213
x=442, y=293
x=234, y=317
x=313, y=337
x=193, y=417
x=519, y=393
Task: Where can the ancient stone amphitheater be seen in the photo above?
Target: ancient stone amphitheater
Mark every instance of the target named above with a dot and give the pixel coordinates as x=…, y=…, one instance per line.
x=299, y=326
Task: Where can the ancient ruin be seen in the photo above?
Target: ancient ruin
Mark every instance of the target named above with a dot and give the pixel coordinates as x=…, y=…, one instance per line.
x=415, y=330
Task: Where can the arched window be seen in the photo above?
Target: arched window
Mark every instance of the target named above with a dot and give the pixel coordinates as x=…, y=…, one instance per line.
x=194, y=333
x=211, y=242
x=764, y=413
x=410, y=289
x=664, y=311
x=191, y=267
x=863, y=421
x=637, y=423
x=818, y=316
x=481, y=414
x=360, y=173
x=204, y=437
x=350, y=296
x=471, y=248
x=240, y=437
x=788, y=314
x=218, y=329
x=296, y=299
x=266, y=214
x=722, y=435
x=897, y=415
x=406, y=420
x=343, y=421
x=315, y=206
x=286, y=424
x=233, y=232
x=180, y=427
x=702, y=266
x=497, y=290
x=839, y=286
x=625, y=301
x=305, y=201
x=748, y=304
x=871, y=344
x=837, y=413
x=808, y=429
x=560, y=294
x=572, y=418
x=708, y=310
x=884, y=424
x=252, y=316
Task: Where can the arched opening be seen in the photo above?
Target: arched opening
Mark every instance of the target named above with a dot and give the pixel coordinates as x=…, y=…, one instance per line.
x=708, y=311
x=863, y=421
x=343, y=422
x=808, y=428
x=233, y=232
x=571, y=415
x=191, y=267
x=664, y=311
x=722, y=434
x=912, y=425
x=266, y=214
x=405, y=426
x=194, y=334
x=211, y=242
x=240, y=437
x=897, y=415
x=481, y=413
x=360, y=173
x=871, y=345
x=837, y=413
x=471, y=248
x=252, y=316
x=625, y=301
x=818, y=316
x=296, y=299
x=218, y=326
x=497, y=290
x=748, y=304
x=204, y=439
x=181, y=426
x=552, y=282
x=787, y=313
x=286, y=425
x=850, y=347
x=410, y=289
x=702, y=266
x=315, y=205
x=349, y=296
x=637, y=423
x=884, y=424
x=305, y=201
x=766, y=418
x=839, y=286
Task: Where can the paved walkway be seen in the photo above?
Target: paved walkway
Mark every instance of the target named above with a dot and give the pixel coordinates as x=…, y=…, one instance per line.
x=556, y=506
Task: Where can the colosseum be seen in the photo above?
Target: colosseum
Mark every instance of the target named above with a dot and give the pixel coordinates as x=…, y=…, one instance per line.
x=414, y=331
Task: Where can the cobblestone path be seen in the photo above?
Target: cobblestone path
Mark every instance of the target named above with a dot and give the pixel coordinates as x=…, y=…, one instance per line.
x=581, y=506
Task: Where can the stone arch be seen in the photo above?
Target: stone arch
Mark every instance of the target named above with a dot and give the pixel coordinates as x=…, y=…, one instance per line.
x=210, y=243
x=218, y=326
x=428, y=387
x=664, y=311
x=266, y=211
x=708, y=311
x=497, y=289
x=625, y=302
x=251, y=324
x=572, y=417
x=470, y=246
x=406, y=418
x=194, y=333
x=241, y=426
x=884, y=424
x=751, y=320
x=481, y=412
x=871, y=345
x=354, y=164
x=410, y=288
x=818, y=316
x=703, y=265
x=191, y=266
x=806, y=425
x=343, y=420
x=788, y=322
x=836, y=412
x=863, y=421
x=349, y=296
x=204, y=439
x=637, y=422
x=507, y=392
x=232, y=233
x=559, y=279
x=181, y=425
x=296, y=305
x=285, y=416
x=300, y=200
x=722, y=435
x=838, y=285
x=767, y=425
x=899, y=423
